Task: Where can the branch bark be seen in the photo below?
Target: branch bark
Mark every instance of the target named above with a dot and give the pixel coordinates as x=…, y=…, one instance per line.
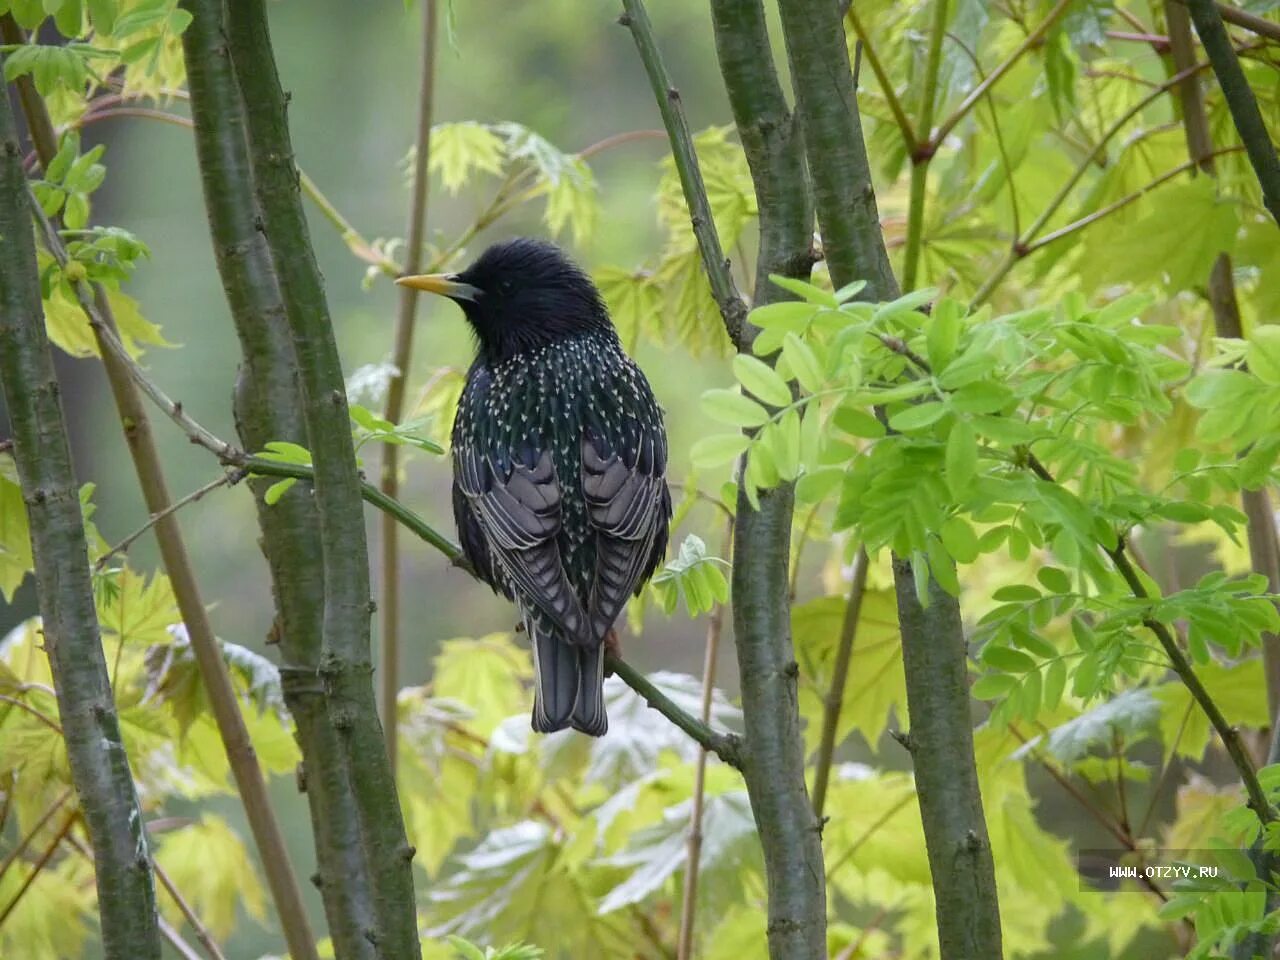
x=401, y=355
x=268, y=406
x=773, y=767
x=345, y=664
x=933, y=643
x=91, y=727
x=1240, y=100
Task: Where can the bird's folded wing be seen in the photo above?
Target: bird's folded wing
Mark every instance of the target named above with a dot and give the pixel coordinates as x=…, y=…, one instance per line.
x=628, y=505
x=520, y=516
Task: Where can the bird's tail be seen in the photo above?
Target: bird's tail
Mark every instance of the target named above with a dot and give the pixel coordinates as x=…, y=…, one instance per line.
x=588, y=713
x=568, y=683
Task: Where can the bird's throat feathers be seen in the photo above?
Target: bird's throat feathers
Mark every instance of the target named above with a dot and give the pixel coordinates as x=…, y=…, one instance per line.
x=536, y=321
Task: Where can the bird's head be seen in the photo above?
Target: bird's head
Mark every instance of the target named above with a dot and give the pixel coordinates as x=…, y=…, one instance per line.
x=520, y=295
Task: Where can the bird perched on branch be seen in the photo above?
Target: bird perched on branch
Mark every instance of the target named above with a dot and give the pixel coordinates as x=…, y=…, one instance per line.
x=559, y=466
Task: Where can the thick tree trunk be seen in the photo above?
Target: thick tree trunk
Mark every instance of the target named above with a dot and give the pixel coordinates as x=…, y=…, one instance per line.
x=91, y=729
x=933, y=640
x=268, y=406
x=346, y=665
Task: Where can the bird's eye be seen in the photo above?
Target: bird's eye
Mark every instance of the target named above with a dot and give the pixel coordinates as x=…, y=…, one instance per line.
x=506, y=287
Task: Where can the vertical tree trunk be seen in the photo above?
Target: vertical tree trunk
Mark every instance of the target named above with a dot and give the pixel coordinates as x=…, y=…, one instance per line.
x=773, y=753
x=346, y=664
x=91, y=729
x=933, y=641
x=268, y=406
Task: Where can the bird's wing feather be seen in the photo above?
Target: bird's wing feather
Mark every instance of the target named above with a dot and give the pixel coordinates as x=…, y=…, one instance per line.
x=519, y=516
x=629, y=506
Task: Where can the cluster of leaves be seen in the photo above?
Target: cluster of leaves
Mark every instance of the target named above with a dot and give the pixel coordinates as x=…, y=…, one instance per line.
x=175, y=751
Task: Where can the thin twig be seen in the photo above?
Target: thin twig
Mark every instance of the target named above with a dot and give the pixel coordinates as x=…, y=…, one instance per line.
x=1033, y=39
x=38, y=866
x=1103, y=212
x=193, y=919
x=834, y=700
x=230, y=478
x=886, y=84
x=401, y=355
x=31, y=834
x=726, y=746
x=689, y=899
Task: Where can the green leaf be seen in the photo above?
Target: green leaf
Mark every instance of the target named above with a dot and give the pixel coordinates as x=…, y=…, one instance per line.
x=993, y=685
x=717, y=450
x=1006, y=658
x=942, y=334
x=459, y=149
x=732, y=408
x=959, y=539
x=918, y=416
x=805, y=291
x=858, y=422
x=803, y=363
x=1054, y=579
x=1263, y=355
x=762, y=380
x=277, y=490
x=961, y=459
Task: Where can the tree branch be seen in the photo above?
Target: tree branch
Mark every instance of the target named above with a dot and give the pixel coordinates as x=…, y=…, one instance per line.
x=95, y=750
x=726, y=746
x=689, y=898
x=732, y=307
x=345, y=664
x=1240, y=100
x=933, y=643
x=229, y=478
x=401, y=356
x=909, y=137
x=834, y=700
x=268, y=407
x=920, y=158
x=1033, y=39
x=773, y=759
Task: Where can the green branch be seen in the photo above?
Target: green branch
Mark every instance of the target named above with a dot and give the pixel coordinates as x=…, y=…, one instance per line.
x=730, y=302
x=833, y=703
x=268, y=407
x=1240, y=100
x=920, y=158
x=909, y=137
x=95, y=750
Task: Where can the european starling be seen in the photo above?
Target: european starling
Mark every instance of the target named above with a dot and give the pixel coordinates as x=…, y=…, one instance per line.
x=559, y=466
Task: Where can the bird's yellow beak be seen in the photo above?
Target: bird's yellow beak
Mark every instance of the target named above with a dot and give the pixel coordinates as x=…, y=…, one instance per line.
x=444, y=284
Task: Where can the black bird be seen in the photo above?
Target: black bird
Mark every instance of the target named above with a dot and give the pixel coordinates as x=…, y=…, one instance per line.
x=559, y=466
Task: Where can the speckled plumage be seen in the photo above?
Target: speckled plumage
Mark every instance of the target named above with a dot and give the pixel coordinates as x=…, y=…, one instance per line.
x=559, y=468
